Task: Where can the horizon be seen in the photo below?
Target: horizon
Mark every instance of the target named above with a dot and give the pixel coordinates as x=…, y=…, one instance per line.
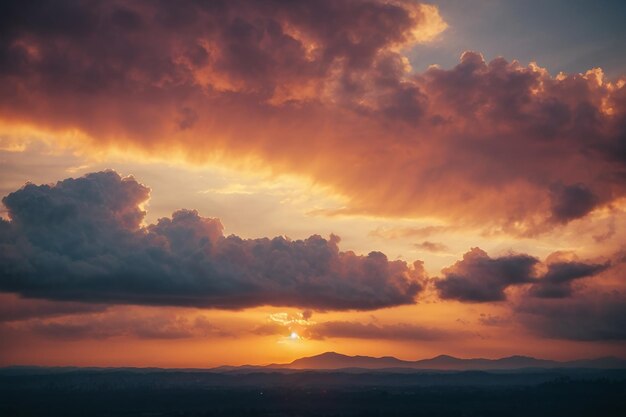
x=195, y=184
x=268, y=365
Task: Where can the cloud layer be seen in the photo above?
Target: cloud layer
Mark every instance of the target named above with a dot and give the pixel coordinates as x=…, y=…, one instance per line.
x=558, y=280
x=480, y=278
x=551, y=302
x=358, y=330
x=13, y=308
x=124, y=324
x=322, y=89
x=83, y=240
x=590, y=317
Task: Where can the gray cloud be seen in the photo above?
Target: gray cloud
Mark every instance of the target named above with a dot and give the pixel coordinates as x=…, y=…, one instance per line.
x=431, y=246
x=14, y=308
x=557, y=282
x=82, y=240
x=479, y=278
x=155, y=326
x=590, y=317
x=572, y=202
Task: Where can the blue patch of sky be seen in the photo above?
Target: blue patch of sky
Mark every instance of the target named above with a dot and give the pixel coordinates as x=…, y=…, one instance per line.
x=561, y=35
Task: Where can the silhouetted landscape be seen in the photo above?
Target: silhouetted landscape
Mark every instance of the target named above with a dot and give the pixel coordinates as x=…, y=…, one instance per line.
x=376, y=387
x=312, y=208
x=332, y=360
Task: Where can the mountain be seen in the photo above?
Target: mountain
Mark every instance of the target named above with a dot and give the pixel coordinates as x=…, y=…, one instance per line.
x=333, y=360
x=355, y=364
x=444, y=362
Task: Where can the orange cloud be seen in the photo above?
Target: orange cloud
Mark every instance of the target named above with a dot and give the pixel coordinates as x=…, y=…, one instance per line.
x=323, y=90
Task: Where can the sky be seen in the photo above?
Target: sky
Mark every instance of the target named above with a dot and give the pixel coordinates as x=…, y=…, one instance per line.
x=195, y=184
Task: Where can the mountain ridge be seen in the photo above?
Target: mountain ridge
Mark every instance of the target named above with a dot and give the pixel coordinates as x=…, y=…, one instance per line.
x=337, y=361
x=334, y=360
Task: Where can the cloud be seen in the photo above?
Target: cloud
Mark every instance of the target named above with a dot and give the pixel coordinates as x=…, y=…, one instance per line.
x=406, y=232
x=325, y=90
x=479, y=278
x=589, y=317
x=125, y=324
x=83, y=240
x=572, y=202
x=551, y=306
x=431, y=246
x=14, y=308
x=493, y=320
x=357, y=330
x=275, y=52
x=285, y=324
x=557, y=282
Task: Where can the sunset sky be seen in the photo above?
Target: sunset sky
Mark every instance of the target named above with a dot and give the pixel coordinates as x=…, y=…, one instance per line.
x=199, y=183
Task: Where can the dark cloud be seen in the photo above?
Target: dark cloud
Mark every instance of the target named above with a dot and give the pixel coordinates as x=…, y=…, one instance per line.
x=550, y=308
x=128, y=324
x=479, y=278
x=431, y=246
x=265, y=49
x=572, y=202
x=356, y=330
x=589, y=317
x=82, y=240
x=557, y=282
x=14, y=308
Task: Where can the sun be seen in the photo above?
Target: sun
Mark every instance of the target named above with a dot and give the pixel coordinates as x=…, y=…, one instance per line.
x=294, y=336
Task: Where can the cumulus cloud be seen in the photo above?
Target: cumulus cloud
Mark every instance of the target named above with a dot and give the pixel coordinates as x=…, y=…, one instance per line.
x=572, y=202
x=556, y=308
x=557, y=282
x=272, y=52
x=322, y=89
x=83, y=240
x=480, y=278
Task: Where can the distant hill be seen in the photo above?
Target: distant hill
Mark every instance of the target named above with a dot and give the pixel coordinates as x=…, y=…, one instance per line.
x=332, y=360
